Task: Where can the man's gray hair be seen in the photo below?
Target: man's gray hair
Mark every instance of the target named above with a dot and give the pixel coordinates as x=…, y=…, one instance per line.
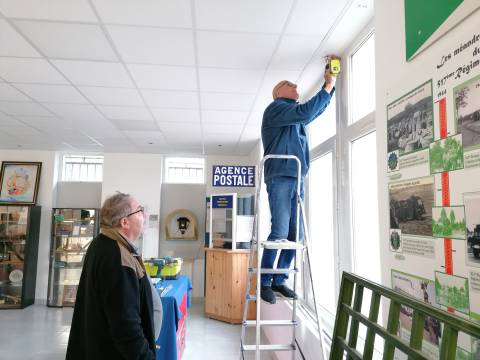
x=115, y=208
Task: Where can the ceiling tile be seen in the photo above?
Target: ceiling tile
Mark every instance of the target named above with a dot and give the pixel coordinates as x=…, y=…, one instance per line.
x=145, y=137
x=164, y=77
x=224, y=117
x=68, y=41
x=29, y=70
x=13, y=44
x=313, y=17
x=125, y=113
x=267, y=16
x=49, y=122
x=135, y=125
x=151, y=12
x=224, y=80
x=153, y=45
x=112, y=96
x=74, y=112
x=217, y=101
x=223, y=128
x=234, y=50
x=69, y=10
x=91, y=73
x=53, y=93
x=180, y=129
x=6, y=121
x=23, y=108
x=176, y=115
x=20, y=131
x=171, y=99
x=294, y=52
x=9, y=93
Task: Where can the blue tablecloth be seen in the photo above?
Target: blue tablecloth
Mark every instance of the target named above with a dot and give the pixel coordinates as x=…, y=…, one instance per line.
x=171, y=302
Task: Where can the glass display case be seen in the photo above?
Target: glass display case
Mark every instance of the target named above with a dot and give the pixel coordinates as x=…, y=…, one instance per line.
x=19, y=230
x=72, y=232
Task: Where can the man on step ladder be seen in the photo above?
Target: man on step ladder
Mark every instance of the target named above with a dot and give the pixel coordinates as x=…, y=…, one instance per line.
x=284, y=133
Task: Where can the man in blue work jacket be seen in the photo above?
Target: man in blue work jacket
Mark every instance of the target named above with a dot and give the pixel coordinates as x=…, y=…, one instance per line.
x=284, y=133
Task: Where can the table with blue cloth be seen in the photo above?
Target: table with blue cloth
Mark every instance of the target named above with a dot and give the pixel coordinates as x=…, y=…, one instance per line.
x=173, y=300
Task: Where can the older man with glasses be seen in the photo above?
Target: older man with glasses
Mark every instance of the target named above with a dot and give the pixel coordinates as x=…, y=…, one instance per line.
x=284, y=133
x=114, y=309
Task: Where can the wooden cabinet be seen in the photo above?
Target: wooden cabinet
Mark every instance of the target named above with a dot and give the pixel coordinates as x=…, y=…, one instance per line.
x=225, y=285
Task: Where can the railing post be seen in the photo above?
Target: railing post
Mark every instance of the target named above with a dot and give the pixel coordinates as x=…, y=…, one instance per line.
x=357, y=306
x=372, y=316
x=392, y=328
x=341, y=321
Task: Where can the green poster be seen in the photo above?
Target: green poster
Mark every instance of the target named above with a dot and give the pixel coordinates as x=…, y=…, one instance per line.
x=423, y=18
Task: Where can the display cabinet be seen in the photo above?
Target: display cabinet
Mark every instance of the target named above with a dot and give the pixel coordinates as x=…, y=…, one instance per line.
x=230, y=221
x=72, y=232
x=19, y=232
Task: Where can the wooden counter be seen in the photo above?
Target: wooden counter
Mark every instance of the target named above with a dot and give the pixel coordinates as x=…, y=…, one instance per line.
x=225, y=285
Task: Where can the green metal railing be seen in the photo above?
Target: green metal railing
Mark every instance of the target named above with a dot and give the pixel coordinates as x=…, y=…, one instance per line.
x=348, y=314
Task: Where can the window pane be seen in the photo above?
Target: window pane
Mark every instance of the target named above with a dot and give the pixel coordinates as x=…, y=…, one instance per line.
x=321, y=231
x=363, y=80
x=184, y=170
x=365, y=208
x=324, y=127
x=82, y=168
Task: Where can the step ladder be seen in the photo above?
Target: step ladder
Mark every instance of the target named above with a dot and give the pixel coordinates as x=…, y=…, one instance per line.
x=256, y=246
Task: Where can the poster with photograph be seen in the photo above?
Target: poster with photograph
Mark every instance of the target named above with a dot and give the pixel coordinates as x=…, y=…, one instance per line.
x=423, y=290
x=411, y=203
x=467, y=112
x=452, y=291
x=474, y=282
x=472, y=219
x=410, y=121
x=449, y=222
x=446, y=154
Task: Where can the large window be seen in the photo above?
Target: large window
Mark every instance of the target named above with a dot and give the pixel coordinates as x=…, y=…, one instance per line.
x=184, y=170
x=322, y=230
x=325, y=126
x=362, y=80
x=82, y=168
x=342, y=184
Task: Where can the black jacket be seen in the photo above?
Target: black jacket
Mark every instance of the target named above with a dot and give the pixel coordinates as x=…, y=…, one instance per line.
x=113, y=315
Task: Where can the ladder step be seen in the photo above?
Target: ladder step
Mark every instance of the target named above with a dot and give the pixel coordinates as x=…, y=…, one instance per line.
x=282, y=244
x=250, y=323
x=273, y=271
x=271, y=347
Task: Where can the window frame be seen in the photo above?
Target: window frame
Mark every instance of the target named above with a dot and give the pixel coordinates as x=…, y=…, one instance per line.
x=166, y=168
x=340, y=145
x=62, y=166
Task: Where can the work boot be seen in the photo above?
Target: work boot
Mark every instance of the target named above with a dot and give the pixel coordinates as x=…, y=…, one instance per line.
x=267, y=295
x=285, y=291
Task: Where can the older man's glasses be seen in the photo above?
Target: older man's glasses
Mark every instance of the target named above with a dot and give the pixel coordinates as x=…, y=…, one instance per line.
x=140, y=209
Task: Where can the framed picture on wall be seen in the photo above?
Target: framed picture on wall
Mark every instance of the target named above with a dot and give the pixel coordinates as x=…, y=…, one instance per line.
x=19, y=182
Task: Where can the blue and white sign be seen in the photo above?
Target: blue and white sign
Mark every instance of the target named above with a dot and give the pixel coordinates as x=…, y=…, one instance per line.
x=235, y=176
x=222, y=202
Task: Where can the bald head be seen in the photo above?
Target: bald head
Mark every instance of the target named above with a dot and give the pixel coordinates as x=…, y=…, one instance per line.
x=285, y=89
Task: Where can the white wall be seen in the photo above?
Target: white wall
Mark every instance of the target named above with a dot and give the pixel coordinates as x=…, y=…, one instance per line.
x=141, y=176
x=45, y=199
x=190, y=197
x=78, y=195
x=394, y=78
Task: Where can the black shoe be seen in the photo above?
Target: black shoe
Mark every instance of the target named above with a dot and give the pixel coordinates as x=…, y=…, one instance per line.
x=267, y=295
x=285, y=291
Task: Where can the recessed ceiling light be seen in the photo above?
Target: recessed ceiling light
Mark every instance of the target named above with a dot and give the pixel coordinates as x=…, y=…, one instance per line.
x=219, y=145
x=19, y=145
x=150, y=143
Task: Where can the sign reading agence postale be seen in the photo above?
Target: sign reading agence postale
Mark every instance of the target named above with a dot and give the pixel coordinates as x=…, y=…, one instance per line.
x=231, y=175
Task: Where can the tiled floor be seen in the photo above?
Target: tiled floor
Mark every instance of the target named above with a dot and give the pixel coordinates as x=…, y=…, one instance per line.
x=41, y=333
